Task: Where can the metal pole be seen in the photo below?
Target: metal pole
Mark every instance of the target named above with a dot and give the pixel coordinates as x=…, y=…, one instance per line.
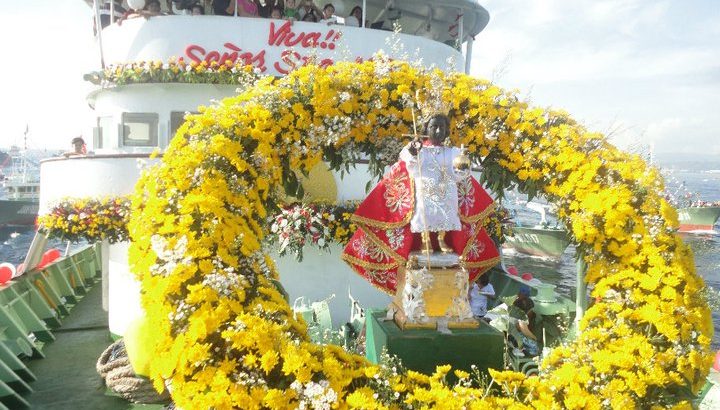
x=112, y=11
x=364, y=16
x=461, y=33
x=98, y=28
x=581, y=302
x=468, y=54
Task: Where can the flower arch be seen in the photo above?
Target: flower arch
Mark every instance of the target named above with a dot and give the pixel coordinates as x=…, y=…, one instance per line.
x=226, y=338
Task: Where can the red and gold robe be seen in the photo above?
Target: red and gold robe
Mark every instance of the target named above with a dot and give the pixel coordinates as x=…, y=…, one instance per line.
x=379, y=249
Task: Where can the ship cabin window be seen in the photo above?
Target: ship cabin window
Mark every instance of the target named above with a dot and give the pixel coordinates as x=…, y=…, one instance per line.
x=139, y=129
x=105, y=133
x=177, y=118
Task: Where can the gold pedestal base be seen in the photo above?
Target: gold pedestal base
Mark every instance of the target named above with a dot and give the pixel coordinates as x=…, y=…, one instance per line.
x=431, y=323
x=432, y=297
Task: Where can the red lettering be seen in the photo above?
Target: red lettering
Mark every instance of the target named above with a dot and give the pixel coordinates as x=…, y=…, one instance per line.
x=192, y=49
x=285, y=36
x=279, y=36
x=231, y=46
x=232, y=57
x=212, y=56
x=311, y=39
x=290, y=58
x=292, y=39
x=198, y=54
x=276, y=37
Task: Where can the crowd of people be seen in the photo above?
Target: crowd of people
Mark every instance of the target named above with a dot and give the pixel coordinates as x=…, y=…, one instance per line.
x=293, y=10
x=304, y=10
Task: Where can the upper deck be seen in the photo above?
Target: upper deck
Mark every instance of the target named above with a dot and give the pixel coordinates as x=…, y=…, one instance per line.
x=431, y=31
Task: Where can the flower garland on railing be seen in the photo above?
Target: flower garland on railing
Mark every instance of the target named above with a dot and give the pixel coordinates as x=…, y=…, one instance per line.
x=180, y=71
x=224, y=337
x=89, y=219
x=318, y=225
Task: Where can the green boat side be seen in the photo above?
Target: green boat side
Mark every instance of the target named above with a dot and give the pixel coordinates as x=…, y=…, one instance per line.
x=698, y=218
x=538, y=241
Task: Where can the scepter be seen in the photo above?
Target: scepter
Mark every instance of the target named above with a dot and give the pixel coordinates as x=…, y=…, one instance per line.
x=425, y=233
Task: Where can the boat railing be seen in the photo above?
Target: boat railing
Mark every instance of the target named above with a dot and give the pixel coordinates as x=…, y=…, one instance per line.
x=387, y=18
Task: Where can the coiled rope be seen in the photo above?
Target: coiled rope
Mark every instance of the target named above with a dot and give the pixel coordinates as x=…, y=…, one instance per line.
x=114, y=367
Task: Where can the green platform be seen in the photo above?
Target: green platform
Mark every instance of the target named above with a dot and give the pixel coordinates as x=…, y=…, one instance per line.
x=66, y=377
x=423, y=350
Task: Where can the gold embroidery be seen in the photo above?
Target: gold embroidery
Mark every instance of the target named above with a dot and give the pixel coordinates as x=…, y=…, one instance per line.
x=479, y=216
x=473, y=238
x=388, y=225
x=466, y=193
x=368, y=265
x=357, y=271
x=375, y=240
x=483, y=267
x=397, y=198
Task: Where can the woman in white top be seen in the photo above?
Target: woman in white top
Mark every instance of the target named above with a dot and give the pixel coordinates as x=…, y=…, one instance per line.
x=480, y=292
x=355, y=17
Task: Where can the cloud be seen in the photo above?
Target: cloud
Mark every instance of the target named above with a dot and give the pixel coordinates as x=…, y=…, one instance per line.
x=627, y=64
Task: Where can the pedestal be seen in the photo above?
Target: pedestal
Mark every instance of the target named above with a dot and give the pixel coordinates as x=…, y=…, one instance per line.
x=425, y=349
x=433, y=293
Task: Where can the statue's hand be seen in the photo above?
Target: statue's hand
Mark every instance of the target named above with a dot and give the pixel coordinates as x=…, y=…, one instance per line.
x=414, y=147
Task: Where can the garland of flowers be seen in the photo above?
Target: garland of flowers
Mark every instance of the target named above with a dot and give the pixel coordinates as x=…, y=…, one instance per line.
x=180, y=71
x=225, y=337
x=89, y=219
x=318, y=225
x=292, y=228
x=298, y=225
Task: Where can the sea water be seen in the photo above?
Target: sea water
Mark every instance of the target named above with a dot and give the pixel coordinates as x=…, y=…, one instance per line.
x=706, y=247
x=14, y=242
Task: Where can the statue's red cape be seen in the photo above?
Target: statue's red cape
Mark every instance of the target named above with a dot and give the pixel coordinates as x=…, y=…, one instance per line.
x=379, y=249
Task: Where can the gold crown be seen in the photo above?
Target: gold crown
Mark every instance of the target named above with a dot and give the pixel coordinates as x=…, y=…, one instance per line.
x=432, y=105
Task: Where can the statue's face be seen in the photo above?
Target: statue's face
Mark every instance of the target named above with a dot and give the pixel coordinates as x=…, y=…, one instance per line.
x=437, y=130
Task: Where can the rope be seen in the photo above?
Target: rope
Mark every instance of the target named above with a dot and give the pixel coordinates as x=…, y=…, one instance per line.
x=45, y=295
x=114, y=366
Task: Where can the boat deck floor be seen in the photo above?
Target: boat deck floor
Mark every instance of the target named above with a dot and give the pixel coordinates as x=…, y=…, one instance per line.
x=66, y=377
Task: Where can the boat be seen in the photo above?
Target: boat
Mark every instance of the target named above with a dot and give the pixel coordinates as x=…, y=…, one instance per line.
x=135, y=119
x=538, y=241
x=694, y=215
x=137, y=111
x=19, y=199
x=698, y=219
x=542, y=239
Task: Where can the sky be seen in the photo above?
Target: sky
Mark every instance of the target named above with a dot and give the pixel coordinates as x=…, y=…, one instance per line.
x=641, y=71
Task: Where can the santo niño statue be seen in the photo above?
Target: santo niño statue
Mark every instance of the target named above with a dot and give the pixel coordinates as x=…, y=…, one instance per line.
x=423, y=202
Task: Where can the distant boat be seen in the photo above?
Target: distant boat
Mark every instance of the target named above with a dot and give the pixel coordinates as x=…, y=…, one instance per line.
x=540, y=240
x=19, y=200
x=698, y=219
